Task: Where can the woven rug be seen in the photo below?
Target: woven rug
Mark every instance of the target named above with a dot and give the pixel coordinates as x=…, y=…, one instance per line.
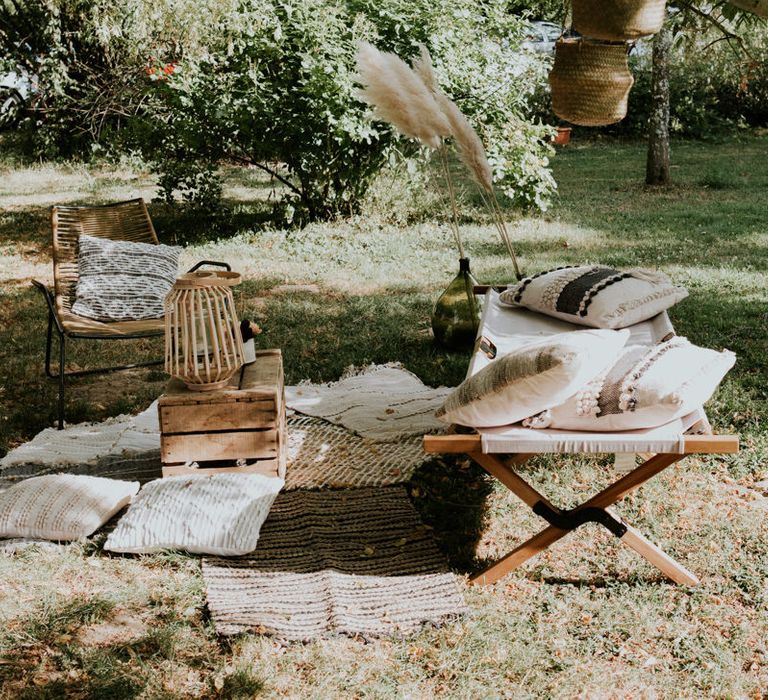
x=323, y=455
x=354, y=562
x=124, y=447
x=320, y=455
x=380, y=402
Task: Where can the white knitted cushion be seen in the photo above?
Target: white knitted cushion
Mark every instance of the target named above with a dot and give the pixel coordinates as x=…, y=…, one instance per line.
x=61, y=506
x=644, y=389
x=532, y=378
x=596, y=296
x=221, y=514
x=123, y=280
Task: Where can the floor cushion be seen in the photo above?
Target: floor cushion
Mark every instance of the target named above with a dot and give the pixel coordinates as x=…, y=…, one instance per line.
x=62, y=506
x=220, y=514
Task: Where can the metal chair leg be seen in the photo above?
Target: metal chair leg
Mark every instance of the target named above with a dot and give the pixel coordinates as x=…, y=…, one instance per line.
x=48, y=343
x=61, y=381
x=62, y=359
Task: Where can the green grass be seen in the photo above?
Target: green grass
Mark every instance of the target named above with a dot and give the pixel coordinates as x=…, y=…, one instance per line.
x=587, y=618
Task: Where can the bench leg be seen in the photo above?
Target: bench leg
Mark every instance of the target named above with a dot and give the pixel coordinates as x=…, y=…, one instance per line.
x=518, y=556
x=658, y=557
x=596, y=509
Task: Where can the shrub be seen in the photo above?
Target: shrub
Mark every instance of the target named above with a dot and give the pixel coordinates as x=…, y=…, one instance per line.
x=269, y=83
x=86, y=71
x=276, y=86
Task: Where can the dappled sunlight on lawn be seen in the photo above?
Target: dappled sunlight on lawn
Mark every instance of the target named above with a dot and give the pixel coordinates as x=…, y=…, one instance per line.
x=585, y=616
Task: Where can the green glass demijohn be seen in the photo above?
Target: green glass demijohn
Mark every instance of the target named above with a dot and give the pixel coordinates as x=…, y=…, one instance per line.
x=456, y=317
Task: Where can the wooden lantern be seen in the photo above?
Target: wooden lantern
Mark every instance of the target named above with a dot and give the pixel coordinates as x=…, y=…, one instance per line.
x=203, y=345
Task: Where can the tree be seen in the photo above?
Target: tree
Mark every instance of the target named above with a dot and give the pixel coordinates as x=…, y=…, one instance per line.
x=657, y=164
x=691, y=15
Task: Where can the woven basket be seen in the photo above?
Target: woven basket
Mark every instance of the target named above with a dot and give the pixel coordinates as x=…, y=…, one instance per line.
x=590, y=82
x=757, y=7
x=620, y=20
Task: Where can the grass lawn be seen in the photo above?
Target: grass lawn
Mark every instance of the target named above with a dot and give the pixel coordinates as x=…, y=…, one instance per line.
x=587, y=618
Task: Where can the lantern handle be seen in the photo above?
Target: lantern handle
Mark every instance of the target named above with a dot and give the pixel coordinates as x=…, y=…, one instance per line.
x=198, y=265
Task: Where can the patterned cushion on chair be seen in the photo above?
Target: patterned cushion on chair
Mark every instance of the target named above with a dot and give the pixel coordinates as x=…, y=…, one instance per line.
x=123, y=281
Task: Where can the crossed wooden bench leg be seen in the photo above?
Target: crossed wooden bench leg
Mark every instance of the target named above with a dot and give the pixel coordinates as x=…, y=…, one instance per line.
x=596, y=509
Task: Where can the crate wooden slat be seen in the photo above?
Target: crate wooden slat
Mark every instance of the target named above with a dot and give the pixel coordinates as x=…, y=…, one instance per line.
x=267, y=467
x=232, y=415
x=243, y=421
x=207, y=447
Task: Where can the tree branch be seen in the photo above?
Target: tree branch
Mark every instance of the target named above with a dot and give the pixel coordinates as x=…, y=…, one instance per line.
x=273, y=173
x=728, y=34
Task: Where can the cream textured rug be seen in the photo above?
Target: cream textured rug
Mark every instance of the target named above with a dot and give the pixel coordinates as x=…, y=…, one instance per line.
x=354, y=562
x=379, y=404
x=125, y=447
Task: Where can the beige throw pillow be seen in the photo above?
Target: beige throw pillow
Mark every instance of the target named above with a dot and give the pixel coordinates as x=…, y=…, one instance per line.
x=532, y=378
x=61, y=506
x=221, y=514
x=596, y=296
x=644, y=389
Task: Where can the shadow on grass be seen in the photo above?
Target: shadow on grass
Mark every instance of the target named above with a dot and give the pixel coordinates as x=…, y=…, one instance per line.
x=450, y=492
x=178, y=224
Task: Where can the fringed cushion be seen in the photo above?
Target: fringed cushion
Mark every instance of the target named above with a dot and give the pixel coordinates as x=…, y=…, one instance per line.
x=62, y=506
x=221, y=514
x=596, y=296
x=123, y=281
x=645, y=388
x=532, y=378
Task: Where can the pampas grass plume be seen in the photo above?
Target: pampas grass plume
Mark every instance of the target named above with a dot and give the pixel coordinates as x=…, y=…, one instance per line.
x=468, y=144
x=425, y=69
x=399, y=96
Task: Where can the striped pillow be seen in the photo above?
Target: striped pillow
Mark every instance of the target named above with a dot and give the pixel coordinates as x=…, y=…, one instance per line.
x=62, y=506
x=122, y=280
x=221, y=514
x=596, y=296
x=645, y=388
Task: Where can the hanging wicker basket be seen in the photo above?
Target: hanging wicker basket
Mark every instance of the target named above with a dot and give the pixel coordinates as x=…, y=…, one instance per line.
x=621, y=20
x=590, y=82
x=757, y=7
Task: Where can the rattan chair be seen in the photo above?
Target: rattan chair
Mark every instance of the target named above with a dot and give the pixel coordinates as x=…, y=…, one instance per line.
x=125, y=221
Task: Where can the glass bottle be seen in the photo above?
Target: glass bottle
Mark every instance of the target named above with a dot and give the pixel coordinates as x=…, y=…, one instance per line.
x=456, y=316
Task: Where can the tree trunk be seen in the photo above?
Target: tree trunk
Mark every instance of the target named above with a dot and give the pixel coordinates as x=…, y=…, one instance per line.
x=657, y=164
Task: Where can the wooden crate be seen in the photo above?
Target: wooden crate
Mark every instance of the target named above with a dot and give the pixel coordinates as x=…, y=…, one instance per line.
x=244, y=421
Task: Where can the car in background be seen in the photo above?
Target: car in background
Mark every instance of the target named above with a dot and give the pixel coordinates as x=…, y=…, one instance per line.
x=17, y=86
x=540, y=37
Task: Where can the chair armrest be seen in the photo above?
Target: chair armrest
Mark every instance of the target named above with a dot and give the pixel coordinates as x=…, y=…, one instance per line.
x=51, y=305
x=197, y=266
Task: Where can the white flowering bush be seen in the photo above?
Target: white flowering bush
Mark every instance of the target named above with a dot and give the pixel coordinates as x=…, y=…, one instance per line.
x=271, y=83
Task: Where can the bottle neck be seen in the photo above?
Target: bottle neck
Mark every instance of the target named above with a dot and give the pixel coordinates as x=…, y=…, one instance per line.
x=464, y=265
